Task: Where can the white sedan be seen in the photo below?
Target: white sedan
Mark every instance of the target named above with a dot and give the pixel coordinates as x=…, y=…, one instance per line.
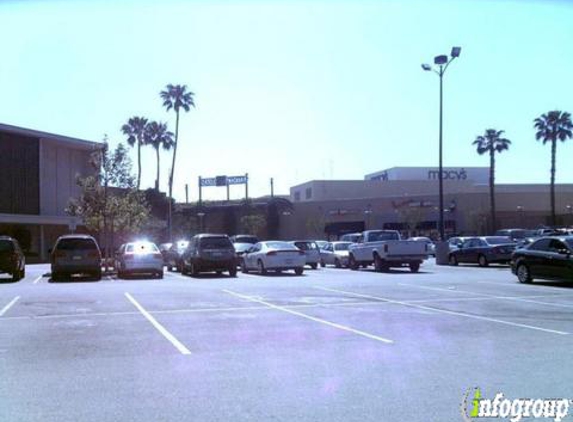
x=139, y=258
x=273, y=255
x=335, y=253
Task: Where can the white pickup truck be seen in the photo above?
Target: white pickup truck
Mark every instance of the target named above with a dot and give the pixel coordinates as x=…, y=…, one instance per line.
x=386, y=249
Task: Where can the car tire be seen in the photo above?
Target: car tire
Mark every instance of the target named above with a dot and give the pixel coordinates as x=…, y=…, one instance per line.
x=380, y=265
x=194, y=270
x=244, y=268
x=160, y=275
x=299, y=271
x=23, y=273
x=482, y=261
x=322, y=263
x=414, y=267
x=233, y=272
x=97, y=276
x=218, y=272
x=16, y=276
x=453, y=261
x=261, y=267
x=352, y=264
x=337, y=263
x=314, y=266
x=523, y=274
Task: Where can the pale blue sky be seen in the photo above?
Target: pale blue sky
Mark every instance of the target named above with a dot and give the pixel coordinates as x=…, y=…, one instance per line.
x=295, y=90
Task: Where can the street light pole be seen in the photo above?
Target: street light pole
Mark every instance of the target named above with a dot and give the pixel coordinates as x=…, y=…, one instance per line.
x=443, y=62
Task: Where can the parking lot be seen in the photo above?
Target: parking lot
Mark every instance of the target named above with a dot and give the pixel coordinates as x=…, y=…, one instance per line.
x=333, y=344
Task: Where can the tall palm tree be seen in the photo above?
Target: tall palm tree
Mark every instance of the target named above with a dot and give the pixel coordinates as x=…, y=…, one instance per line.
x=175, y=97
x=490, y=143
x=134, y=129
x=551, y=127
x=157, y=135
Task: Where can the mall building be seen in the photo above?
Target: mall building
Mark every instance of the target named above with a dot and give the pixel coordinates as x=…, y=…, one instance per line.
x=407, y=198
x=38, y=174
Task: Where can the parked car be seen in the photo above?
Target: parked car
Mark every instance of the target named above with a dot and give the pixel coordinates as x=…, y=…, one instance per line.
x=546, y=258
x=350, y=237
x=75, y=254
x=12, y=260
x=427, y=241
x=386, y=249
x=209, y=252
x=139, y=258
x=335, y=253
x=163, y=248
x=173, y=256
x=483, y=251
x=516, y=235
x=456, y=241
x=244, y=238
x=311, y=251
x=275, y=256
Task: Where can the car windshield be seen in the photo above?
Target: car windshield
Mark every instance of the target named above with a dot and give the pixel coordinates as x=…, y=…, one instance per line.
x=6, y=245
x=241, y=247
x=75, y=244
x=497, y=240
x=341, y=246
x=215, y=243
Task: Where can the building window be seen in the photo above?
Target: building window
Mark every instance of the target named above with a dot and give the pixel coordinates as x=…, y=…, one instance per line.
x=297, y=196
x=308, y=193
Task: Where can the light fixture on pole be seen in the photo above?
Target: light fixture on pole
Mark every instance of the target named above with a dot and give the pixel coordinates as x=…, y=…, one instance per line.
x=442, y=62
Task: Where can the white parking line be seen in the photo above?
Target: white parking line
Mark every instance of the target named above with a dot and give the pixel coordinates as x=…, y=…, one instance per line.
x=7, y=307
x=512, y=298
x=319, y=320
x=445, y=311
x=178, y=345
x=37, y=279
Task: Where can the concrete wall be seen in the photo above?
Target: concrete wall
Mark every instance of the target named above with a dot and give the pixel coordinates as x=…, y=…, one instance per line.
x=60, y=166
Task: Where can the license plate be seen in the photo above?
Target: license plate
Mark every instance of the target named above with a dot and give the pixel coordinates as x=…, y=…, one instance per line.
x=76, y=258
x=289, y=261
x=217, y=254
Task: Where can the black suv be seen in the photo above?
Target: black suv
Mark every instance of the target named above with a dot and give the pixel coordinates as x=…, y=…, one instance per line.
x=209, y=252
x=12, y=259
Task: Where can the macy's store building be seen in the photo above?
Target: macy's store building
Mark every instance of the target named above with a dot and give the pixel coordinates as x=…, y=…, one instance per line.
x=406, y=199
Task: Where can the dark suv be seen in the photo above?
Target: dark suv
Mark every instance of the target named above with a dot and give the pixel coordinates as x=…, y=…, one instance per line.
x=12, y=259
x=209, y=252
x=75, y=254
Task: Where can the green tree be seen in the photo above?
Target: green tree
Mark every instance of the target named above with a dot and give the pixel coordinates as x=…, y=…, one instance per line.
x=157, y=135
x=109, y=200
x=551, y=127
x=135, y=129
x=490, y=143
x=175, y=97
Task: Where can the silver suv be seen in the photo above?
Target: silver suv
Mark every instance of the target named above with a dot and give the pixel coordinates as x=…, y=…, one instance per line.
x=75, y=254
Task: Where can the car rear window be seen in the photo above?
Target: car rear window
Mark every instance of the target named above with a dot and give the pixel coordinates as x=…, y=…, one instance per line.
x=6, y=246
x=215, y=243
x=246, y=239
x=341, y=246
x=75, y=244
x=497, y=240
x=379, y=236
x=306, y=246
x=141, y=248
x=280, y=245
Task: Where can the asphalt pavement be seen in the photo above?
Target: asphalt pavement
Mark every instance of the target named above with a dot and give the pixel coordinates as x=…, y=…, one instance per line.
x=332, y=345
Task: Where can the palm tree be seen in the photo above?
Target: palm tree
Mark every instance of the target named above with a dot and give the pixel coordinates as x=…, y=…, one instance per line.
x=552, y=126
x=134, y=129
x=157, y=135
x=175, y=97
x=491, y=142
